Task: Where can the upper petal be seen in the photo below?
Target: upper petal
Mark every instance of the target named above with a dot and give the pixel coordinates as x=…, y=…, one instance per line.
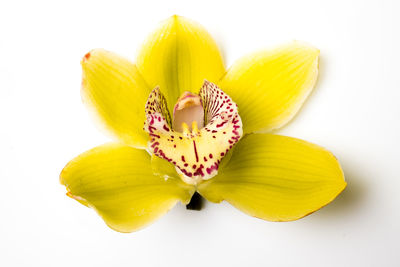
x=117, y=181
x=116, y=92
x=271, y=86
x=178, y=56
x=276, y=178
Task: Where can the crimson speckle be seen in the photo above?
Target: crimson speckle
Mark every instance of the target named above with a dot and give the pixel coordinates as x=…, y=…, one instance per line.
x=165, y=128
x=195, y=151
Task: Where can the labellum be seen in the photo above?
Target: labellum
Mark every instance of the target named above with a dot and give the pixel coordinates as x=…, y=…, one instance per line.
x=204, y=128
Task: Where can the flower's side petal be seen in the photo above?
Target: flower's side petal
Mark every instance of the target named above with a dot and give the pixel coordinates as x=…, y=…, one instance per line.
x=117, y=181
x=276, y=178
x=116, y=92
x=178, y=56
x=271, y=86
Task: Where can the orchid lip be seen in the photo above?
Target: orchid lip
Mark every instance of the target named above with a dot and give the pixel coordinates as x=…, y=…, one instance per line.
x=205, y=127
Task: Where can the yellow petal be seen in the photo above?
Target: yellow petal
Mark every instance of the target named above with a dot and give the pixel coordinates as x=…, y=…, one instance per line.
x=271, y=86
x=178, y=56
x=115, y=91
x=162, y=167
x=117, y=181
x=276, y=178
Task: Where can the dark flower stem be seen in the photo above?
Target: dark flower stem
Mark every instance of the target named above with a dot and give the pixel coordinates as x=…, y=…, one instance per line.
x=196, y=203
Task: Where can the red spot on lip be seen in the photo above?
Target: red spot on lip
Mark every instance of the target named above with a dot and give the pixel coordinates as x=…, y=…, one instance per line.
x=195, y=151
x=155, y=144
x=199, y=171
x=165, y=128
x=212, y=168
x=221, y=124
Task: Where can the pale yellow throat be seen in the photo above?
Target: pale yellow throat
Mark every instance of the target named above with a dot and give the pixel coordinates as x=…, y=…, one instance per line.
x=188, y=114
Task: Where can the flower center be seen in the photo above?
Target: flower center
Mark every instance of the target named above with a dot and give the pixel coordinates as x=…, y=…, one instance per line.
x=188, y=112
x=205, y=127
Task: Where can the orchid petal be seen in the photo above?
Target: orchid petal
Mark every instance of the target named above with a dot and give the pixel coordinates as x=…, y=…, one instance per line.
x=178, y=56
x=116, y=92
x=271, y=86
x=117, y=181
x=276, y=178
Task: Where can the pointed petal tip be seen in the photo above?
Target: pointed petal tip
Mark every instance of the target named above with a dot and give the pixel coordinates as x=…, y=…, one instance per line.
x=172, y=20
x=86, y=56
x=175, y=17
x=89, y=54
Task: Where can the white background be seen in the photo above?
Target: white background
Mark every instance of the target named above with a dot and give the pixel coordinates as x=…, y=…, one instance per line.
x=354, y=112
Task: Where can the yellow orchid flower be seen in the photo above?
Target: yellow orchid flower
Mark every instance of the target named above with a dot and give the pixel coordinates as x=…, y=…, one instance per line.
x=216, y=141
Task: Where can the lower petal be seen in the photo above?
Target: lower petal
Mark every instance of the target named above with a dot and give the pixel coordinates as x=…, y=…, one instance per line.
x=117, y=181
x=276, y=178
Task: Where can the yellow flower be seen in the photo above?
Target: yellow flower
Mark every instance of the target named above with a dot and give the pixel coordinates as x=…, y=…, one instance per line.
x=216, y=142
